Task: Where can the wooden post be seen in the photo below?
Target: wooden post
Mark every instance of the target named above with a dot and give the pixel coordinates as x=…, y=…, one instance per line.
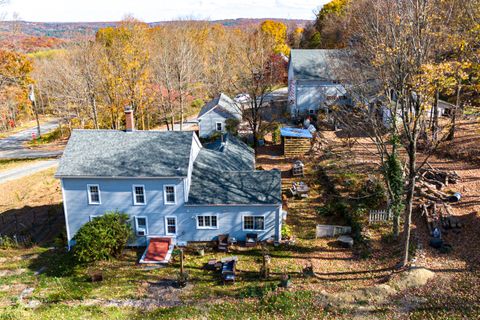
x=35, y=111
x=181, y=262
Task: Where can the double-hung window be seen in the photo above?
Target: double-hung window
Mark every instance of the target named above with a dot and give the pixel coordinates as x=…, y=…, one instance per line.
x=170, y=226
x=139, y=198
x=141, y=226
x=207, y=222
x=93, y=191
x=254, y=223
x=218, y=126
x=169, y=194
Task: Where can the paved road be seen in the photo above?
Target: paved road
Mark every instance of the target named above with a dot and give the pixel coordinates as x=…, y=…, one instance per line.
x=26, y=170
x=12, y=146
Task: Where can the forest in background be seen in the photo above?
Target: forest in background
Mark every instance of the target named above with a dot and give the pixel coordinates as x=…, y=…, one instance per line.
x=164, y=72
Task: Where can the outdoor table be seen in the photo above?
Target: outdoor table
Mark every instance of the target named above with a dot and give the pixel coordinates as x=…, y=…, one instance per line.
x=302, y=188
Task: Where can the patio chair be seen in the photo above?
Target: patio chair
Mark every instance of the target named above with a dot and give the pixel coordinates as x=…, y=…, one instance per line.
x=228, y=271
x=251, y=240
x=223, y=243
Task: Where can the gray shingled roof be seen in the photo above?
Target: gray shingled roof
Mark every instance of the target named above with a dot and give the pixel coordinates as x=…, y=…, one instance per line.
x=317, y=64
x=232, y=155
x=223, y=103
x=233, y=187
x=224, y=174
x=110, y=153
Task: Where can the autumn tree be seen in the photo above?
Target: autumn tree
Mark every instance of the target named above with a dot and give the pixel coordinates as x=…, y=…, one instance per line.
x=394, y=39
x=278, y=32
x=177, y=66
x=257, y=72
x=123, y=64
x=15, y=76
x=329, y=28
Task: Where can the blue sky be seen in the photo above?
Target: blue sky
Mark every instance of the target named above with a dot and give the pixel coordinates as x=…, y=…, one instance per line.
x=157, y=10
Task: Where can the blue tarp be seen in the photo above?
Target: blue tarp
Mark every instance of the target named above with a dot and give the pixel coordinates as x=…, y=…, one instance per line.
x=296, y=133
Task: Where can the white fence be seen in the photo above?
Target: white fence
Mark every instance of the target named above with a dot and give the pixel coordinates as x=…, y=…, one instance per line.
x=331, y=231
x=379, y=216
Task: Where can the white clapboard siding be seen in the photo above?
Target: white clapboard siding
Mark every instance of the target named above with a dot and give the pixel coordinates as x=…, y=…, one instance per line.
x=380, y=216
x=331, y=231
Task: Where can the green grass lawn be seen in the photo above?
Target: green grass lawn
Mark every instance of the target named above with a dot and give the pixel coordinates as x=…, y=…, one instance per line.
x=63, y=288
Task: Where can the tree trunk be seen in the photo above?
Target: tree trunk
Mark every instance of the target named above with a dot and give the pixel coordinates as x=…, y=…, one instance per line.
x=94, y=111
x=434, y=126
x=34, y=105
x=409, y=200
x=453, y=124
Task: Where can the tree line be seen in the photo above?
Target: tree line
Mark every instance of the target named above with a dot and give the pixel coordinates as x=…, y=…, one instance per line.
x=164, y=72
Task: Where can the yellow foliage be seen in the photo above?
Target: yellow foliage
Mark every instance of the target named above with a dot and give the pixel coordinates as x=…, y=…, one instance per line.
x=278, y=31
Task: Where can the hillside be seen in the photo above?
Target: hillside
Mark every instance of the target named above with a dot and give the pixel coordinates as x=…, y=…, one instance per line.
x=72, y=29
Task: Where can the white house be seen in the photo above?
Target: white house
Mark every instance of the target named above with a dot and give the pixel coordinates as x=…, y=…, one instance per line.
x=314, y=80
x=213, y=116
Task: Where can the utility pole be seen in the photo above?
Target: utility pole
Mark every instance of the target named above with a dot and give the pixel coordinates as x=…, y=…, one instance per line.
x=31, y=97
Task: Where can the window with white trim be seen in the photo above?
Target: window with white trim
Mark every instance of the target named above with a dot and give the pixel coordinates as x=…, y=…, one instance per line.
x=141, y=226
x=139, y=195
x=253, y=223
x=219, y=126
x=93, y=217
x=171, y=226
x=169, y=194
x=93, y=194
x=207, y=222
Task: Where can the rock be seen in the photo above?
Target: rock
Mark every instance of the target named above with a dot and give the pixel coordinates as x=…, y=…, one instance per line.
x=33, y=304
x=345, y=241
x=26, y=293
x=414, y=278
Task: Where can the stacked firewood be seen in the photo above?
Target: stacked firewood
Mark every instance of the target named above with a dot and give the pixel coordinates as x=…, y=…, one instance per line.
x=434, y=202
x=439, y=216
x=431, y=182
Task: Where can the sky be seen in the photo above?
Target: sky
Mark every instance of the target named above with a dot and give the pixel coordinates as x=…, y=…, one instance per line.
x=159, y=10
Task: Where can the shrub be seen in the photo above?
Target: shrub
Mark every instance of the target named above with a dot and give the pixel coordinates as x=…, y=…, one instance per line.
x=286, y=231
x=102, y=238
x=7, y=242
x=231, y=125
x=276, y=134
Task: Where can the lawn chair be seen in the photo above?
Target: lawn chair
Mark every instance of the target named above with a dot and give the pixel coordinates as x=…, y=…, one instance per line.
x=228, y=271
x=251, y=240
x=223, y=242
x=293, y=190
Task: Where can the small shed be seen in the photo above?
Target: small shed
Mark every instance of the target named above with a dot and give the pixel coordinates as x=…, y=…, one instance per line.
x=296, y=142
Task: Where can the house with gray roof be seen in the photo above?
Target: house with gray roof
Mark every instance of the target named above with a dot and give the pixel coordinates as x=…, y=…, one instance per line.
x=315, y=80
x=214, y=114
x=170, y=185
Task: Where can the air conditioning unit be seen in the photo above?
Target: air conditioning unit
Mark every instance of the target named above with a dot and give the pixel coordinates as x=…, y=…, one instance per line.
x=141, y=232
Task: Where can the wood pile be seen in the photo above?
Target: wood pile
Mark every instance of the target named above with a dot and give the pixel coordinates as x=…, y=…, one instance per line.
x=434, y=202
x=439, y=215
x=431, y=182
x=439, y=179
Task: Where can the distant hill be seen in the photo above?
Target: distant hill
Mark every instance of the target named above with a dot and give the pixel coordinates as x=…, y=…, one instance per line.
x=70, y=30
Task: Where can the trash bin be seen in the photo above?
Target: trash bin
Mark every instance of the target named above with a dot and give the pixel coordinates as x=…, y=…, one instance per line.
x=455, y=197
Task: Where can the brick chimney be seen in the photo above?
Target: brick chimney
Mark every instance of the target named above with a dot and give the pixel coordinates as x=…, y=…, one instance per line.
x=129, y=120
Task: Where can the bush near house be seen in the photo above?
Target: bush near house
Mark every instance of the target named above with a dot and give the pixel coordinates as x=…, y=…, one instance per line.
x=231, y=125
x=102, y=238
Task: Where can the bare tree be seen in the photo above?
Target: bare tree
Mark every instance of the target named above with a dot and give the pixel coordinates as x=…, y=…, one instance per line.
x=257, y=72
x=395, y=40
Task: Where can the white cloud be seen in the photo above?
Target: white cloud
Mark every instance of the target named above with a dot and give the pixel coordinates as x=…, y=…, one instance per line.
x=157, y=10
